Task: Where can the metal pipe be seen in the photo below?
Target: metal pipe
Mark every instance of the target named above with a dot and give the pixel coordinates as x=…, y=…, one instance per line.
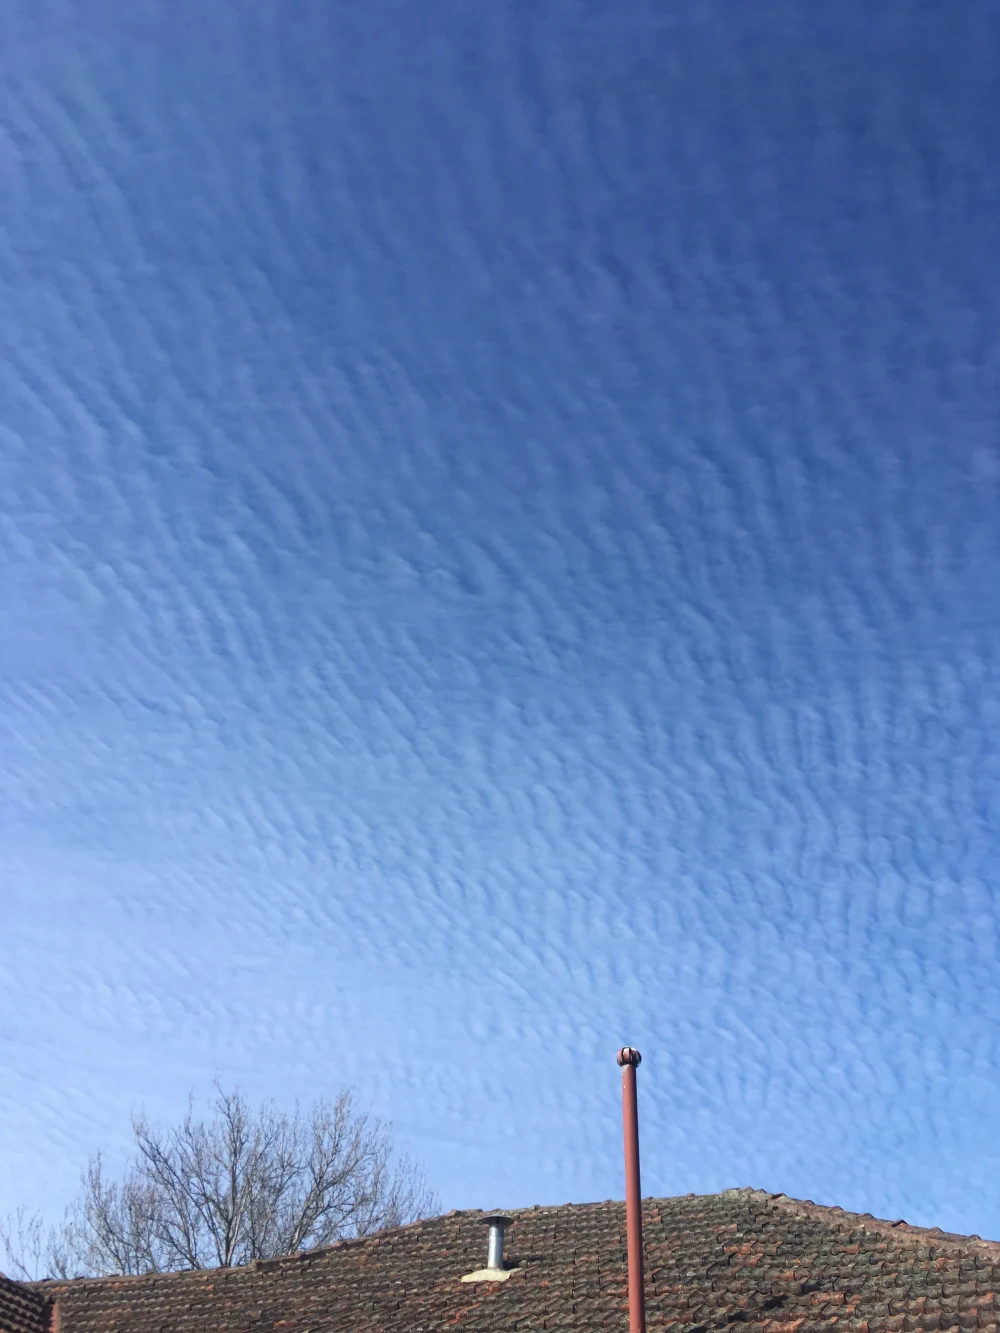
x=494, y=1252
x=629, y=1058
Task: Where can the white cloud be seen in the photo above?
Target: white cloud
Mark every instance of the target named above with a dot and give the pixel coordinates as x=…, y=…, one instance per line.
x=497, y=563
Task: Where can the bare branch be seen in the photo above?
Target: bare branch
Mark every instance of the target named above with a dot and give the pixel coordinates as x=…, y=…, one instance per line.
x=246, y=1183
x=22, y=1244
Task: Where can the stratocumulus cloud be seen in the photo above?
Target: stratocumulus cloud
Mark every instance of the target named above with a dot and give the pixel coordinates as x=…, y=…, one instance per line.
x=499, y=534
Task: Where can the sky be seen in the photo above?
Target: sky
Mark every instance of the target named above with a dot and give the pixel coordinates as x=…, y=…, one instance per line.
x=499, y=558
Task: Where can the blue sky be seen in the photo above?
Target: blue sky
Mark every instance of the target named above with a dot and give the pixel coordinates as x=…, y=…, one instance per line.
x=499, y=534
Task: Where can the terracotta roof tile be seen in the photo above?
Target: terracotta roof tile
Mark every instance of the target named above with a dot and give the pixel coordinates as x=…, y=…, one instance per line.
x=21, y=1309
x=741, y=1260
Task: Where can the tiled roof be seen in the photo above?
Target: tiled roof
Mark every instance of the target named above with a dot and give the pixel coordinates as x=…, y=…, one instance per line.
x=21, y=1309
x=764, y=1262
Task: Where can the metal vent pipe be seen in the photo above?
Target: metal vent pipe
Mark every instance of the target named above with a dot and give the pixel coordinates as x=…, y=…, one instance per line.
x=628, y=1059
x=494, y=1252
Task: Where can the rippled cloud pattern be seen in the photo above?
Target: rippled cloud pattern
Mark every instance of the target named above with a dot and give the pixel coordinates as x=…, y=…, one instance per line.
x=499, y=512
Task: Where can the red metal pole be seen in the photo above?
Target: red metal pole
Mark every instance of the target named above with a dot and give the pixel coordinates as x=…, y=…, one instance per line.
x=629, y=1058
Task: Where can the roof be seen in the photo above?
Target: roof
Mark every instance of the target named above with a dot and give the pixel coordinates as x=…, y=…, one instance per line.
x=21, y=1309
x=766, y=1262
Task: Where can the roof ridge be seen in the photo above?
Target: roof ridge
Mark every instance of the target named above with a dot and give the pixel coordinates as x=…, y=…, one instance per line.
x=951, y=1240
x=830, y=1214
x=49, y=1284
x=16, y=1285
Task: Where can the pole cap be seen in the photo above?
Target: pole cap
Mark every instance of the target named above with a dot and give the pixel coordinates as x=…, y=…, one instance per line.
x=628, y=1055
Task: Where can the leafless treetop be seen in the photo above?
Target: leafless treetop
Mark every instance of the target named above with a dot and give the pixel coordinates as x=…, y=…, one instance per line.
x=246, y=1183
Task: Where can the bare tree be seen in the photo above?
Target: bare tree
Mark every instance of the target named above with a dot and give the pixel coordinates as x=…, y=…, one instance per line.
x=25, y=1244
x=249, y=1183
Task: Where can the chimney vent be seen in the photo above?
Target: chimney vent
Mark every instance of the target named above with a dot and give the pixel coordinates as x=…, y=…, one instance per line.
x=494, y=1252
x=494, y=1270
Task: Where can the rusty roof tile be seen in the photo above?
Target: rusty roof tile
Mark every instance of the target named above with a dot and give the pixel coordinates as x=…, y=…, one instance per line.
x=743, y=1259
x=21, y=1309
